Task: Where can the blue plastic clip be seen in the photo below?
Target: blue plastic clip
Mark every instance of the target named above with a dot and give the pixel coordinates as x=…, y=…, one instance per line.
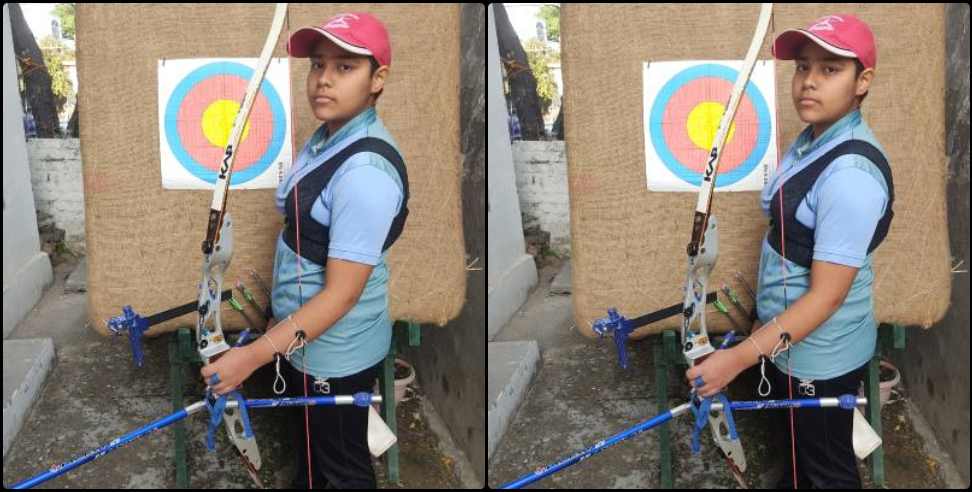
x=217, y=406
x=135, y=325
x=700, y=408
x=362, y=399
x=620, y=327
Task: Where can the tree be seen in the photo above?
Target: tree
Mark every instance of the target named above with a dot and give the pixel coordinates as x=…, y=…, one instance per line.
x=37, y=92
x=558, y=126
x=55, y=54
x=523, y=86
x=550, y=15
x=540, y=61
x=65, y=14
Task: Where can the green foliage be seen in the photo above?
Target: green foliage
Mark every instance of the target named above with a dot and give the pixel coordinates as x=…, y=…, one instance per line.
x=540, y=59
x=550, y=15
x=65, y=14
x=55, y=54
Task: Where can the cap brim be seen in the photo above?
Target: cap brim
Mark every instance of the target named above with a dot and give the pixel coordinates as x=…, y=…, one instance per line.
x=303, y=40
x=787, y=45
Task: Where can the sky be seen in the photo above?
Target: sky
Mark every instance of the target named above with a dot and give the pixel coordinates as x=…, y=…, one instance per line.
x=39, y=17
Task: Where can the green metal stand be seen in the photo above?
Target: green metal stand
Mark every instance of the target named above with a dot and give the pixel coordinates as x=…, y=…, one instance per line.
x=386, y=381
x=890, y=337
x=667, y=355
x=182, y=354
x=663, y=350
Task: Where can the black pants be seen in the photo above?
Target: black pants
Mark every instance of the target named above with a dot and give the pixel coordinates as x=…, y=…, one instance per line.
x=824, y=450
x=338, y=434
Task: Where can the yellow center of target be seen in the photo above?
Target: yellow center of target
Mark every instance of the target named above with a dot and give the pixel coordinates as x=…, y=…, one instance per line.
x=703, y=123
x=217, y=122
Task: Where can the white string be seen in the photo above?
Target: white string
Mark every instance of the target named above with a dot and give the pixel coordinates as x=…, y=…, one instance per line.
x=781, y=346
x=296, y=344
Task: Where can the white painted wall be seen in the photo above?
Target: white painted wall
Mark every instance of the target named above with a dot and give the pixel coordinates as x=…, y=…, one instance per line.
x=58, y=185
x=26, y=269
x=541, y=182
x=511, y=273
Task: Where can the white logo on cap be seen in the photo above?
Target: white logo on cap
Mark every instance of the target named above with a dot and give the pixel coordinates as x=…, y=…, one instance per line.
x=340, y=21
x=824, y=24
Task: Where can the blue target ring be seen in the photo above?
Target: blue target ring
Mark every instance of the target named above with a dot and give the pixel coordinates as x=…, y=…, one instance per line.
x=177, y=99
x=662, y=100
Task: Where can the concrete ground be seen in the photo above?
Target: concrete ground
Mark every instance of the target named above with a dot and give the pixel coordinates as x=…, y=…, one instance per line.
x=94, y=393
x=579, y=396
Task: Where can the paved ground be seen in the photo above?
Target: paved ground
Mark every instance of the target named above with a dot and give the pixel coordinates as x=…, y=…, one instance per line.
x=95, y=393
x=580, y=396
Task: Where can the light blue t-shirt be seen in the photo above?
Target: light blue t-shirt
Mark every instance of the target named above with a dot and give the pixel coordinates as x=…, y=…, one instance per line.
x=358, y=204
x=843, y=208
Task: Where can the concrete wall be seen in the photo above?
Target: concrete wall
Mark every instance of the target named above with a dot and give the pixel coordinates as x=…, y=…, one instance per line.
x=26, y=269
x=511, y=271
x=934, y=366
x=541, y=182
x=450, y=364
x=55, y=177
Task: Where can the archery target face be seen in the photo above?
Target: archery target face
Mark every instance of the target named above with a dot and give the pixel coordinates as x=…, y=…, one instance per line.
x=683, y=104
x=198, y=101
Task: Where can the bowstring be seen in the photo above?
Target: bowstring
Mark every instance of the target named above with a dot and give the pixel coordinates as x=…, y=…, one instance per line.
x=300, y=291
x=786, y=303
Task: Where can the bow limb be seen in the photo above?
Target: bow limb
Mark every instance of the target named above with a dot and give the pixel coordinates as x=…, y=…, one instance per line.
x=221, y=188
x=217, y=248
x=702, y=254
x=703, y=246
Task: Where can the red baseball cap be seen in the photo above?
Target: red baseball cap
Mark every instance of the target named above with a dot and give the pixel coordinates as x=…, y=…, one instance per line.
x=357, y=32
x=841, y=34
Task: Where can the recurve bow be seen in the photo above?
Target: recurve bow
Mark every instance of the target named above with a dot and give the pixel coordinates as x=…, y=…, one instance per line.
x=217, y=248
x=703, y=248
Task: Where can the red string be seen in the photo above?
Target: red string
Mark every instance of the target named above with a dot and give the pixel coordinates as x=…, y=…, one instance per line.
x=300, y=292
x=300, y=299
x=789, y=373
